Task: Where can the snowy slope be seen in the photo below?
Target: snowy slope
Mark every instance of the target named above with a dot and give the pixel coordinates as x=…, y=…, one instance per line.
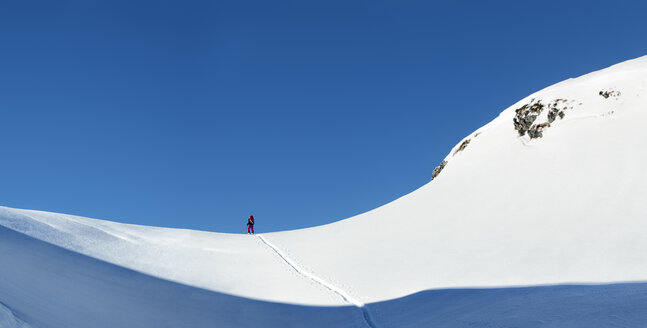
x=227, y=263
x=50, y=287
x=506, y=210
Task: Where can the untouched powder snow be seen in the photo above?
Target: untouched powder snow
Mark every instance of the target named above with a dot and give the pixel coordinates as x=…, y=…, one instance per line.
x=551, y=192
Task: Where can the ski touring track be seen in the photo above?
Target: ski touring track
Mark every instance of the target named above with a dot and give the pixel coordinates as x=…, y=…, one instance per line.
x=341, y=293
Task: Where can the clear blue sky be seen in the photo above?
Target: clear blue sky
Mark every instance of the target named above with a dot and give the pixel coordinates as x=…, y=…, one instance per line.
x=196, y=114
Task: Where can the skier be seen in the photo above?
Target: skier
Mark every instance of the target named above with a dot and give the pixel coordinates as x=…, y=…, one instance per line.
x=250, y=225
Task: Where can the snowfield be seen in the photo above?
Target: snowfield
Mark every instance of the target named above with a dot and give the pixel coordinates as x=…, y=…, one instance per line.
x=536, y=219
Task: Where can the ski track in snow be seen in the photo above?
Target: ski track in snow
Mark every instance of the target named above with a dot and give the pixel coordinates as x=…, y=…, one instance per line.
x=347, y=298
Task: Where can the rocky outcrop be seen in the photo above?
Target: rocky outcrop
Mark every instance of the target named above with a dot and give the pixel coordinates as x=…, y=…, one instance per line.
x=462, y=146
x=555, y=113
x=536, y=130
x=437, y=170
x=609, y=93
x=526, y=116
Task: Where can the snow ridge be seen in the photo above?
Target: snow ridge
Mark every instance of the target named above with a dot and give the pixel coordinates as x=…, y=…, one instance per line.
x=347, y=298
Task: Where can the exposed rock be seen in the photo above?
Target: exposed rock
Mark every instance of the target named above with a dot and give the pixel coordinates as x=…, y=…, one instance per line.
x=535, y=131
x=462, y=146
x=552, y=115
x=437, y=170
x=526, y=115
x=609, y=93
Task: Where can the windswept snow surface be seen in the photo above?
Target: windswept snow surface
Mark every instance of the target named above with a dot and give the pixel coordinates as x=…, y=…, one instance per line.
x=8, y=320
x=49, y=287
x=506, y=211
x=234, y=264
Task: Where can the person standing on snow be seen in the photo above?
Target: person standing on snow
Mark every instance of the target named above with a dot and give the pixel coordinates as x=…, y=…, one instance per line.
x=250, y=225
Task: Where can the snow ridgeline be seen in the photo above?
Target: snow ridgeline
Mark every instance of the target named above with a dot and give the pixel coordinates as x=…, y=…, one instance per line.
x=550, y=192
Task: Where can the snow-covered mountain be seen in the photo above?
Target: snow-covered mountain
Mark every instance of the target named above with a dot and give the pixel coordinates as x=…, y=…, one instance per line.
x=549, y=195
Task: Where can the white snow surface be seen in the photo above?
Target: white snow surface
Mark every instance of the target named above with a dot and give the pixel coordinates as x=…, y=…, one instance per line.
x=505, y=211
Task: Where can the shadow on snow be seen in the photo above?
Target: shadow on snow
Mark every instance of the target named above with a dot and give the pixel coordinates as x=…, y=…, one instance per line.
x=48, y=286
